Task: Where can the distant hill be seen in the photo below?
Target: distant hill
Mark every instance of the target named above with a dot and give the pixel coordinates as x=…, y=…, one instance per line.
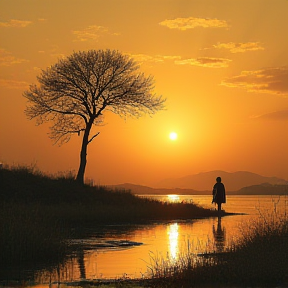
x=139, y=189
x=240, y=183
x=205, y=181
x=262, y=189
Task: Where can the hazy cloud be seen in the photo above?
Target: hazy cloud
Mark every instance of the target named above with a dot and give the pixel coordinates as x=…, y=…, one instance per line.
x=177, y=60
x=13, y=84
x=281, y=115
x=269, y=80
x=239, y=47
x=15, y=23
x=92, y=32
x=154, y=59
x=6, y=59
x=190, y=23
x=205, y=62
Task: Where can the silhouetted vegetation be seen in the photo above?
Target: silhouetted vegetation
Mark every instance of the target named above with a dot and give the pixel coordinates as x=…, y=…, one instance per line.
x=259, y=258
x=38, y=212
x=29, y=238
x=87, y=204
x=75, y=92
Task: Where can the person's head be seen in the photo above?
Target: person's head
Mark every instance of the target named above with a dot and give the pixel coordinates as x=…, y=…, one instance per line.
x=218, y=179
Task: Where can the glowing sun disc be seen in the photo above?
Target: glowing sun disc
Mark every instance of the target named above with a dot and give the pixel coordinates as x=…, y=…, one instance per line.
x=173, y=136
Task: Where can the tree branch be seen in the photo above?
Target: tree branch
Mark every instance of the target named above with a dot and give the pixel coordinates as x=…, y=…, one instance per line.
x=93, y=137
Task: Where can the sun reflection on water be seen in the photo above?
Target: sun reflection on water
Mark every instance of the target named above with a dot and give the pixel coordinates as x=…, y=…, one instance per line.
x=173, y=198
x=173, y=233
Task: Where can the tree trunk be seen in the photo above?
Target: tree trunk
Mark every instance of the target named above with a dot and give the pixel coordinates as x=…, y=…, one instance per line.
x=83, y=154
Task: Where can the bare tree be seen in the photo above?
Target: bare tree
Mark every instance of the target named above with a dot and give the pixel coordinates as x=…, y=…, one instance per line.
x=74, y=92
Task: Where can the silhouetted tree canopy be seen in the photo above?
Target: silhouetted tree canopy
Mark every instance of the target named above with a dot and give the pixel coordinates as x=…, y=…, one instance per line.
x=74, y=93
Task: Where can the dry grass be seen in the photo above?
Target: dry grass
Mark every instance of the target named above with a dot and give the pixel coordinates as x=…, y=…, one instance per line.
x=260, y=257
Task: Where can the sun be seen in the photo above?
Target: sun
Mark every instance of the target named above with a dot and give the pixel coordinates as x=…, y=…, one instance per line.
x=173, y=136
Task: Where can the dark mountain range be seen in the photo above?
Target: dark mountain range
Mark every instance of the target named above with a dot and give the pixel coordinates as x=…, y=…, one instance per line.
x=233, y=181
x=139, y=189
x=263, y=189
x=240, y=183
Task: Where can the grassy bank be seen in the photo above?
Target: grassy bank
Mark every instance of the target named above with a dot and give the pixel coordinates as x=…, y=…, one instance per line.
x=38, y=212
x=74, y=204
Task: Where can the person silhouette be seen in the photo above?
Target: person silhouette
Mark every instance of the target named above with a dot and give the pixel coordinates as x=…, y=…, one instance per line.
x=219, y=194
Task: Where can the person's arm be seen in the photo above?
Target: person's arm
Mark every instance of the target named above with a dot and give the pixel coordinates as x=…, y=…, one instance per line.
x=214, y=190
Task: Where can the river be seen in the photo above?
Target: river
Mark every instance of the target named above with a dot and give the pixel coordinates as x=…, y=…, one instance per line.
x=158, y=241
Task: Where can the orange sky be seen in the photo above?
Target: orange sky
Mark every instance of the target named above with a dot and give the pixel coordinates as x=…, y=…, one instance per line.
x=222, y=65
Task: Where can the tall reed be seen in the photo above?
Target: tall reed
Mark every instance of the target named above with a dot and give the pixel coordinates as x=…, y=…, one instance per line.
x=28, y=234
x=260, y=257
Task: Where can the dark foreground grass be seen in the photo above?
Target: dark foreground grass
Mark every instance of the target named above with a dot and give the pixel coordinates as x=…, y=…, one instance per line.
x=38, y=212
x=29, y=239
x=259, y=259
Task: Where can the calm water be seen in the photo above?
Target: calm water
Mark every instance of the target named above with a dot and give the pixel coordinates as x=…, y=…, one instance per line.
x=161, y=241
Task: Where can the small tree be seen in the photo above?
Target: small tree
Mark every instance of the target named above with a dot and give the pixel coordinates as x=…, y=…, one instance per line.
x=74, y=92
